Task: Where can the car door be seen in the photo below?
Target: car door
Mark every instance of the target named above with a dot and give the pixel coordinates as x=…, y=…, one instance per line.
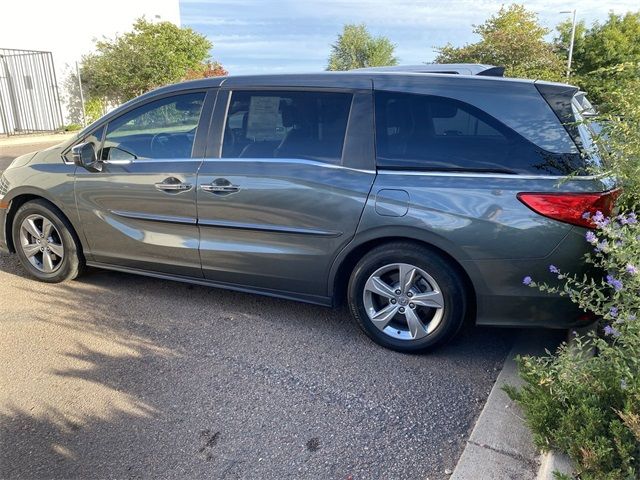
x=284, y=195
x=138, y=211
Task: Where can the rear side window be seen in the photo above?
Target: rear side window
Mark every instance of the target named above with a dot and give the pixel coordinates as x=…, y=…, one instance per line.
x=434, y=133
x=282, y=124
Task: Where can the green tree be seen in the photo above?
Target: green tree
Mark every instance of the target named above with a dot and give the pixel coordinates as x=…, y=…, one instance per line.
x=153, y=54
x=357, y=48
x=513, y=39
x=563, y=41
x=604, y=56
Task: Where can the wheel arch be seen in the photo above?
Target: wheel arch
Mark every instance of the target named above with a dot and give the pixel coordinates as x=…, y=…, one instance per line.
x=349, y=257
x=22, y=197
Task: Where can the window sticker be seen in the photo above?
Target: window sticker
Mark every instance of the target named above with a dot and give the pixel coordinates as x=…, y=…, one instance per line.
x=263, y=117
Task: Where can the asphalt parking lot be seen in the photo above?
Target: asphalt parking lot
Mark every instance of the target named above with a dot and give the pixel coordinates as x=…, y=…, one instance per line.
x=120, y=376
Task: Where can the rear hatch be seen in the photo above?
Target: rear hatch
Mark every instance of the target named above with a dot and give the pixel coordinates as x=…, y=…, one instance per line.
x=589, y=190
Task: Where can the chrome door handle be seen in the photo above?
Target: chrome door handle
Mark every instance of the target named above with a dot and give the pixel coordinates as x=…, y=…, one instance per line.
x=173, y=185
x=220, y=188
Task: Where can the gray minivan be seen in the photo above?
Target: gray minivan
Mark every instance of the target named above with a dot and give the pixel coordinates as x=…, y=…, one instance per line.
x=421, y=198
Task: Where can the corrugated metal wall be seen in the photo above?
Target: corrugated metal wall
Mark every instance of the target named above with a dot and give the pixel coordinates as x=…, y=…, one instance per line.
x=29, y=99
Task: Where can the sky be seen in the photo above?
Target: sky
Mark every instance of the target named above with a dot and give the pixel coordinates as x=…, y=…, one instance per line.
x=263, y=36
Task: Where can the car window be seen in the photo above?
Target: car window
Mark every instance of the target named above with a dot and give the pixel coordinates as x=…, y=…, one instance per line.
x=164, y=128
x=281, y=124
x=437, y=133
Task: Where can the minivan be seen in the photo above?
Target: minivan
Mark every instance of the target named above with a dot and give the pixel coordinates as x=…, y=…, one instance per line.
x=421, y=199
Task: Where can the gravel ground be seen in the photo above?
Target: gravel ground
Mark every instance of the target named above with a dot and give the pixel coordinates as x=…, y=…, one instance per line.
x=120, y=376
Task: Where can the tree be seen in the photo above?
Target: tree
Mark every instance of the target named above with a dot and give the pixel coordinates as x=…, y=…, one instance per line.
x=357, y=48
x=206, y=70
x=151, y=55
x=606, y=56
x=513, y=39
x=613, y=42
x=563, y=42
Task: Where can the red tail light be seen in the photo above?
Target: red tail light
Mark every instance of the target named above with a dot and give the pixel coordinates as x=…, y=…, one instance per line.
x=570, y=207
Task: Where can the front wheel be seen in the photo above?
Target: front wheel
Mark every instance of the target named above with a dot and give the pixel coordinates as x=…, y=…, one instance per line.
x=46, y=243
x=407, y=297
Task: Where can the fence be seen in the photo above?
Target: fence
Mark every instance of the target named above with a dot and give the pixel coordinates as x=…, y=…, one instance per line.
x=29, y=99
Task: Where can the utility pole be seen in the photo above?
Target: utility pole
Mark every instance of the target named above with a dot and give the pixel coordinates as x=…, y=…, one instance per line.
x=573, y=38
x=84, y=113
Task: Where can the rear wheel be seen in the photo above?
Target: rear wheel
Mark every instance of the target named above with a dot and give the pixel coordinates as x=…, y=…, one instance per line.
x=407, y=297
x=46, y=243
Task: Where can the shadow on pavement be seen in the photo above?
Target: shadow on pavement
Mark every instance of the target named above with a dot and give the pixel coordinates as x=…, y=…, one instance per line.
x=116, y=375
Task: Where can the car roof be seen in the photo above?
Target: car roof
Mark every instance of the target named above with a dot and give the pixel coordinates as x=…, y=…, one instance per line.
x=344, y=79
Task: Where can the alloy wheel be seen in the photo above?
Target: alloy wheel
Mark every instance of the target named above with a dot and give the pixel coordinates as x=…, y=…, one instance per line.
x=403, y=301
x=41, y=243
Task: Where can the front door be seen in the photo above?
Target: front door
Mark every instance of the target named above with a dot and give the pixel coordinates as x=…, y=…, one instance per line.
x=139, y=211
x=281, y=202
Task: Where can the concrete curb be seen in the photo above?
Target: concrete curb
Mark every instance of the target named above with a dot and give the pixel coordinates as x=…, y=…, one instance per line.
x=554, y=461
x=500, y=445
x=551, y=462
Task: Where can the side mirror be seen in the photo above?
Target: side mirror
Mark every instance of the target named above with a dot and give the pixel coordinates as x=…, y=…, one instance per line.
x=84, y=155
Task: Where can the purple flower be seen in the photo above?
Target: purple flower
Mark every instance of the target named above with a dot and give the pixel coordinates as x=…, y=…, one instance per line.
x=632, y=218
x=613, y=311
x=598, y=217
x=553, y=269
x=586, y=215
x=614, y=282
x=609, y=330
x=602, y=246
x=527, y=280
x=632, y=269
x=591, y=237
x=600, y=220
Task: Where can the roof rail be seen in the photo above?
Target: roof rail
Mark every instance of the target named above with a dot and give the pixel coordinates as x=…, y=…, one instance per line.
x=450, y=68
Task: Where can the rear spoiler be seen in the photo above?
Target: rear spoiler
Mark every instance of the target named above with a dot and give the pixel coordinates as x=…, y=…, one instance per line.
x=492, y=72
x=560, y=97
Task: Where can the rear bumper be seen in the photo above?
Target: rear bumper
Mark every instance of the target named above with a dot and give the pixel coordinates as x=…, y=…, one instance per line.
x=503, y=299
x=541, y=311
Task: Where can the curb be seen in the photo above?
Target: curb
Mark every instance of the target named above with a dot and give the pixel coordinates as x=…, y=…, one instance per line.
x=500, y=445
x=553, y=461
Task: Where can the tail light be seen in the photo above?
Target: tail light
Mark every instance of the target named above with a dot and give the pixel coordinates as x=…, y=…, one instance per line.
x=571, y=207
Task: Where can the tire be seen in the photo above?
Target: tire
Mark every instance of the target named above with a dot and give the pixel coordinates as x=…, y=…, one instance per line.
x=389, y=317
x=61, y=245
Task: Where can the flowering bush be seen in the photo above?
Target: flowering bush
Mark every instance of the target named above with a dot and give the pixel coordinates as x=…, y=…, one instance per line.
x=589, y=407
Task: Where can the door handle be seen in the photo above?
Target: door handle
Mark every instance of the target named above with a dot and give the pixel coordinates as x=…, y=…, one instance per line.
x=220, y=186
x=173, y=185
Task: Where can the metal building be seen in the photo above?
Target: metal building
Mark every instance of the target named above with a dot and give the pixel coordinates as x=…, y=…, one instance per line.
x=29, y=99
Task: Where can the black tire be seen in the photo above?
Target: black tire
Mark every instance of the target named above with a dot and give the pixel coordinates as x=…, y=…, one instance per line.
x=451, y=285
x=72, y=263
